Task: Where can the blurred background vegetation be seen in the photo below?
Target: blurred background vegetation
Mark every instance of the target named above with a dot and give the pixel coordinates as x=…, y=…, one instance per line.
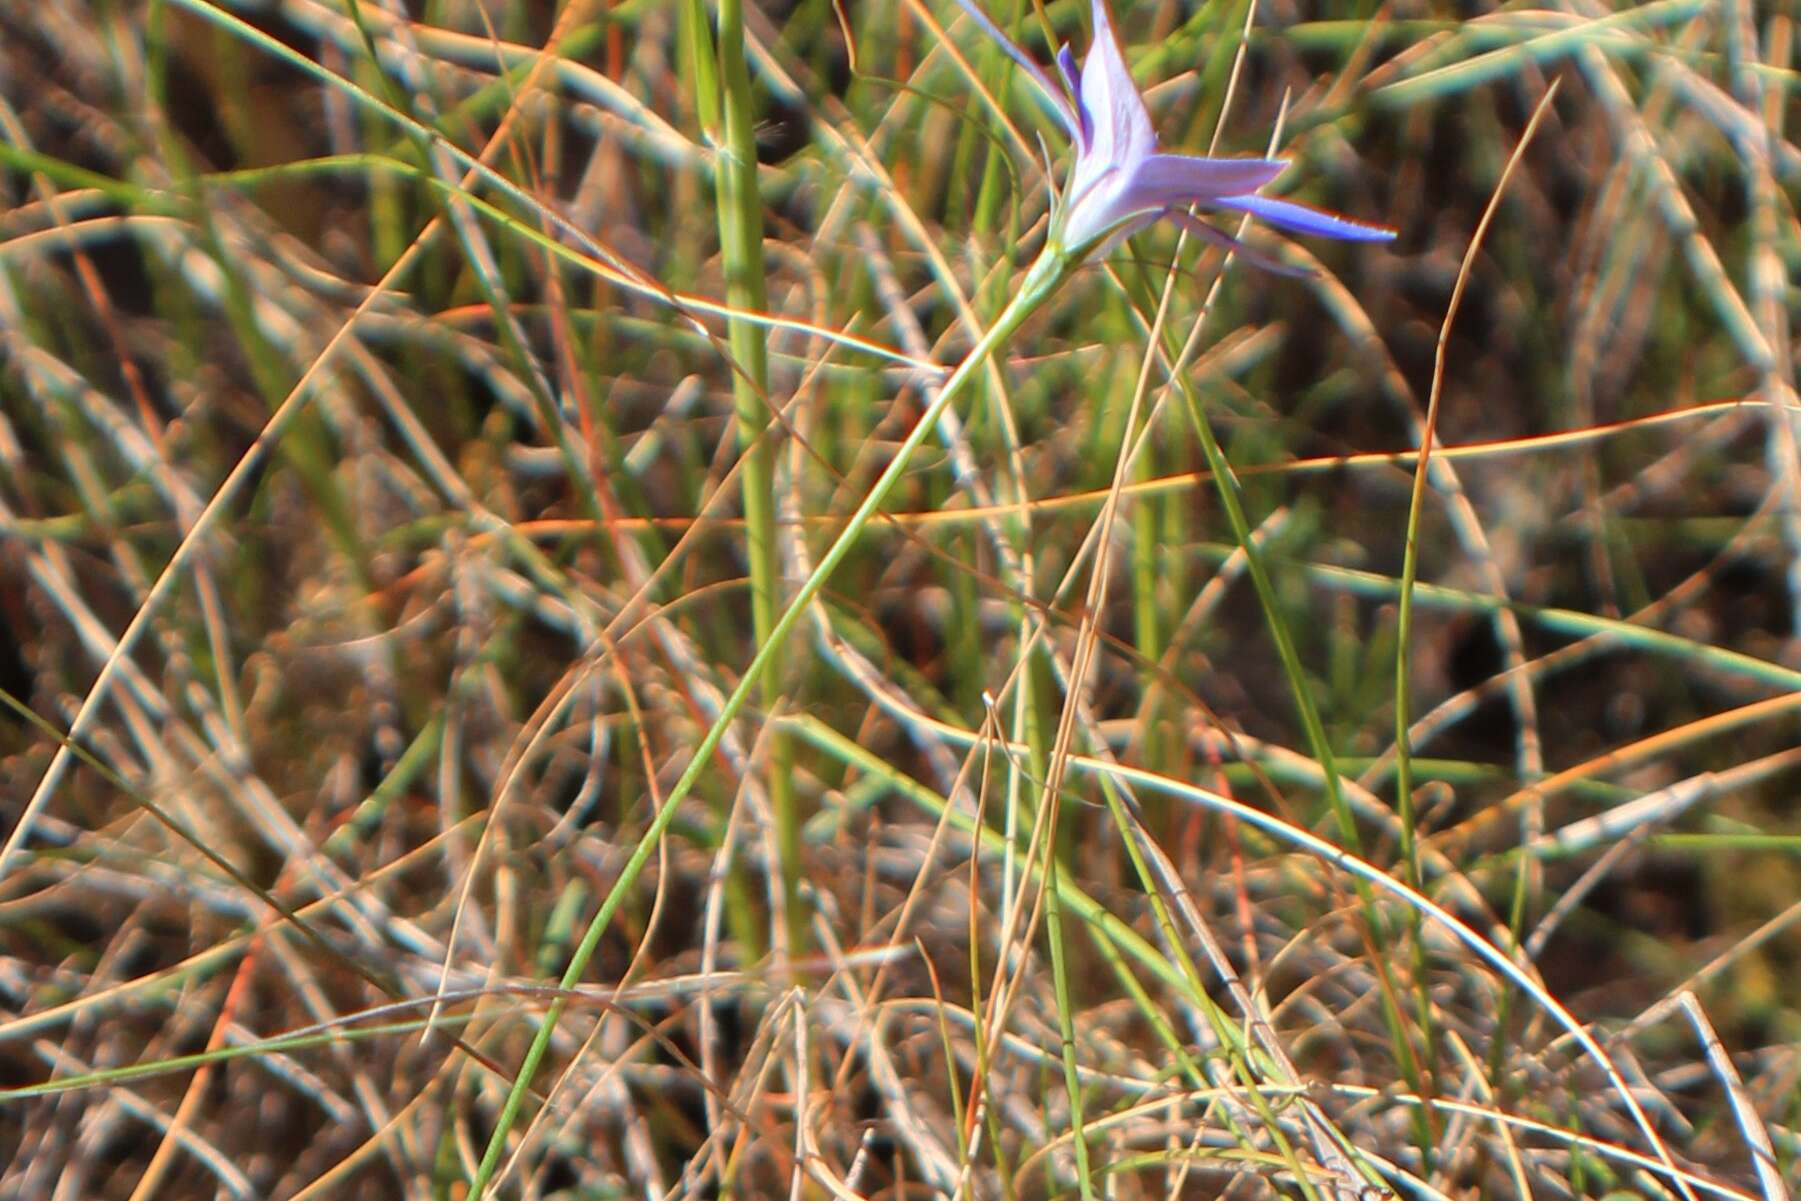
x=392, y=491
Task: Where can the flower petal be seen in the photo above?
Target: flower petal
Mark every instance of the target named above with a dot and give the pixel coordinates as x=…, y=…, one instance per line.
x=1066, y=66
x=1299, y=217
x=1160, y=180
x=1060, y=103
x=1109, y=100
x=1226, y=241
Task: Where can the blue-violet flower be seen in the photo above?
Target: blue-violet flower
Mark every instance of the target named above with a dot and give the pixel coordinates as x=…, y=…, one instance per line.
x=1121, y=182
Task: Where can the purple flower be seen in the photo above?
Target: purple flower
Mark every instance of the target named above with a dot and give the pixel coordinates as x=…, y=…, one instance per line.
x=1121, y=182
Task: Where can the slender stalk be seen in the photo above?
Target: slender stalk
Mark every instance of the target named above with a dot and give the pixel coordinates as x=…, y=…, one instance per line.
x=741, y=244
x=1410, y=853
x=1066, y=1024
x=1147, y=560
x=1040, y=282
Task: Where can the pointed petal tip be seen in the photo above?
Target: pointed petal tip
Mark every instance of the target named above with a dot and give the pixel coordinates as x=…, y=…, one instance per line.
x=1072, y=79
x=1066, y=66
x=1308, y=220
x=1363, y=231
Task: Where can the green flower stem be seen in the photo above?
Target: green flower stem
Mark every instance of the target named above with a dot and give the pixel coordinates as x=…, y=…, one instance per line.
x=1040, y=281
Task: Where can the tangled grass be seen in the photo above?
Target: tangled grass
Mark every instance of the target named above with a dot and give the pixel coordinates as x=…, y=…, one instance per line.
x=414, y=419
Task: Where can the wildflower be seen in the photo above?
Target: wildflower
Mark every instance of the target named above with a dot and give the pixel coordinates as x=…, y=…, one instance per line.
x=1121, y=182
